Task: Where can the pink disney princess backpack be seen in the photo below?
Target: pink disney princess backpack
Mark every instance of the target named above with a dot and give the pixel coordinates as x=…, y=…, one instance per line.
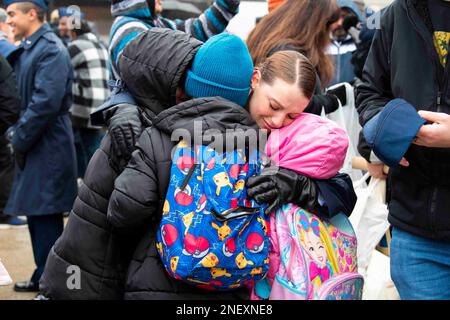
x=311, y=258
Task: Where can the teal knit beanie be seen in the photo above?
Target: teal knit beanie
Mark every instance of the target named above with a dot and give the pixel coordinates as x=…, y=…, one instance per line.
x=222, y=67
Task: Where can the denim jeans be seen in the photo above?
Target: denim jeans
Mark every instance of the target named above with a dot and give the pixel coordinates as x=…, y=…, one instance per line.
x=420, y=267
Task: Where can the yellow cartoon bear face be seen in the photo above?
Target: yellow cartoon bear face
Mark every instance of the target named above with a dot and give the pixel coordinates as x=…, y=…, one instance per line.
x=222, y=180
x=174, y=263
x=223, y=231
x=219, y=272
x=210, y=260
x=241, y=262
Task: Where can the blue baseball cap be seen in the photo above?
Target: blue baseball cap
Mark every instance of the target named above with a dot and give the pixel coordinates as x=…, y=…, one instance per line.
x=70, y=11
x=40, y=3
x=391, y=132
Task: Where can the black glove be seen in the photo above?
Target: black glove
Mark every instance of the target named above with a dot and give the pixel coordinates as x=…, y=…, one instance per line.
x=125, y=127
x=350, y=21
x=328, y=101
x=279, y=187
x=340, y=92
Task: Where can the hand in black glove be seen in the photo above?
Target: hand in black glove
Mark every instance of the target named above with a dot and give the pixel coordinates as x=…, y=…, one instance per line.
x=328, y=102
x=340, y=92
x=125, y=127
x=350, y=21
x=277, y=188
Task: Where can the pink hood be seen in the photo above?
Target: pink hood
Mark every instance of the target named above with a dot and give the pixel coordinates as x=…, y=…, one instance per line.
x=311, y=145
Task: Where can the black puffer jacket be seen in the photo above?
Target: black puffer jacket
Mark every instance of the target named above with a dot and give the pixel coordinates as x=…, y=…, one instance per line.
x=403, y=63
x=140, y=191
x=89, y=241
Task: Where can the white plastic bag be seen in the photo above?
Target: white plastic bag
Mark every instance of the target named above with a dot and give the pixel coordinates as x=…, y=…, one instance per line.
x=347, y=118
x=5, y=279
x=369, y=219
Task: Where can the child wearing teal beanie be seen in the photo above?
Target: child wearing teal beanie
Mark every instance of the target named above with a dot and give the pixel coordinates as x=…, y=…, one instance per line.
x=222, y=67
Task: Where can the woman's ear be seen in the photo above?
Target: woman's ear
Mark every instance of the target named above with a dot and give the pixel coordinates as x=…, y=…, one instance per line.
x=256, y=78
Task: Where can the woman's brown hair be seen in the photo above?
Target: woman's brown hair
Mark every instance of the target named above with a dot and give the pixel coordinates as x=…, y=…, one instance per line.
x=293, y=68
x=300, y=24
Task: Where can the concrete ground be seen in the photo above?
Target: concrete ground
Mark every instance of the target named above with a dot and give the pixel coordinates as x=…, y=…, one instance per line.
x=17, y=257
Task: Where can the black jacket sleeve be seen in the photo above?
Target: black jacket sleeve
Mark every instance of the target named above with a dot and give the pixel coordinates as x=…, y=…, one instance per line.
x=9, y=97
x=375, y=91
x=135, y=198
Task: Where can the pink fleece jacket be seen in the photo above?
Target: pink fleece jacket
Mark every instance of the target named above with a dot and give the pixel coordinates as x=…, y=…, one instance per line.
x=311, y=145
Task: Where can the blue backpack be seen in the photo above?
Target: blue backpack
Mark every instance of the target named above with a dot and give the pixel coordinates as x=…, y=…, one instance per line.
x=211, y=235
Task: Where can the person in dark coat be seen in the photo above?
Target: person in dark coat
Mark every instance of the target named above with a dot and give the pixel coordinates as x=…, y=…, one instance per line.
x=9, y=113
x=89, y=241
x=140, y=190
x=153, y=78
x=409, y=60
x=44, y=183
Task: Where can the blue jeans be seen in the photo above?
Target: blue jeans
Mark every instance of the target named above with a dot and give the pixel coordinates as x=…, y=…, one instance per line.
x=420, y=267
x=87, y=142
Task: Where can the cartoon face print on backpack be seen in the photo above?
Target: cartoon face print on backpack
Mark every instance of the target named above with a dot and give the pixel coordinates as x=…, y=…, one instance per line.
x=222, y=180
x=242, y=262
x=311, y=241
x=223, y=231
x=210, y=261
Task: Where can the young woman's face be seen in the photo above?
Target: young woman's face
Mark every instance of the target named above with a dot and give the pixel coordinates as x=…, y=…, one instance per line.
x=275, y=106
